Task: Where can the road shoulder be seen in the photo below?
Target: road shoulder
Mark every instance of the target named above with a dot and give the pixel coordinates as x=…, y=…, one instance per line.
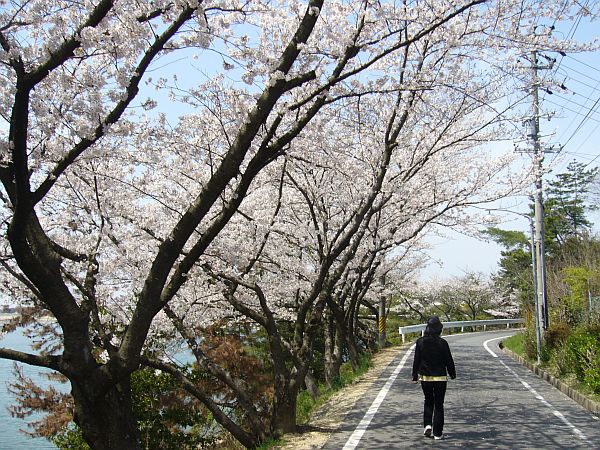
x=587, y=403
x=330, y=416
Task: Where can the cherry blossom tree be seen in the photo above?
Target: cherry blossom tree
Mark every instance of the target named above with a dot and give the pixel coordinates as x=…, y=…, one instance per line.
x=338, y=210
x=72, y=70
x=321, y=142
x=470, y=296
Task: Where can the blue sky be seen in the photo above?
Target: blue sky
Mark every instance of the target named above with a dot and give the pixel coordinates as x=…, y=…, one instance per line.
x=574, y=126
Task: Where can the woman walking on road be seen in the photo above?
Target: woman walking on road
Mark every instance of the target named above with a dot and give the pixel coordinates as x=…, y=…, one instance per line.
x=432, y=364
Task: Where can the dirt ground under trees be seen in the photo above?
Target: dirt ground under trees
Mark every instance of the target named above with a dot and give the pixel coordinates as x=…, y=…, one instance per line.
x=330, y=416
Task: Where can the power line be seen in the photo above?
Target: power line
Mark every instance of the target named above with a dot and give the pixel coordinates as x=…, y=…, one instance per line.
x=570, y=34
x=579, y=101
x=585, y=140
x=579, y=157
x=582, y=82
x=579, y=73
x=583, y=155
x=584, y=120
x=589, y=110
x=577, y=112
x=582, y=63
x=591, y=161
x=562, y=10
x=576, y=24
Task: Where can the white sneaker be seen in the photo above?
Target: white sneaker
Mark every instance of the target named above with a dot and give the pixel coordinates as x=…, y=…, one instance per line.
x=427, y=431
x=439, y=437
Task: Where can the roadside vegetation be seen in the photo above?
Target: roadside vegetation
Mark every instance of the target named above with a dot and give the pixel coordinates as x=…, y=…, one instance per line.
x=307, y=404
x=573, y=358
x=570, y=349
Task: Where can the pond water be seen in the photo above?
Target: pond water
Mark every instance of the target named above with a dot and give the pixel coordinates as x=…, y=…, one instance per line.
x=11, y=438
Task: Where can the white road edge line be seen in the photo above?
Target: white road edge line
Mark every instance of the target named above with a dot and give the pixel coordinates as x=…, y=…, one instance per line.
x=578, y=432
x=357, y=435
x=485, y=344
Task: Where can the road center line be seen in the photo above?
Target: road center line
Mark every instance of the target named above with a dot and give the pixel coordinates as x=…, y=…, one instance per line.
x=366, y=420
x=527, y=386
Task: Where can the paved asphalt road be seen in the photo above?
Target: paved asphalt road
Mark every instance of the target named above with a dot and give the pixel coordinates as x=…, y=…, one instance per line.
x=495, y=403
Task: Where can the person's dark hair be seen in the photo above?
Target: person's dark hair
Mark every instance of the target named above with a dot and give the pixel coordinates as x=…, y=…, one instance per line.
x=434, y=326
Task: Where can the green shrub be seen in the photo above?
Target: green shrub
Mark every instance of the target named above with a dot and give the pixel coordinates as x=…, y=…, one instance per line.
x=583, y=356
x=556, y=334
x=530, y=343
x=560, y=360
x=71, y=438
x=168, y=419
x=577, y=344
x=306, y=405
x=578, y=353
x=591, y=372
x=392, y=324
x=593, y=328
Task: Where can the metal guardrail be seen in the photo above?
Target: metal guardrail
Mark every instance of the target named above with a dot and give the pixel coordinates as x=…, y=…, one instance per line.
x=459, y=324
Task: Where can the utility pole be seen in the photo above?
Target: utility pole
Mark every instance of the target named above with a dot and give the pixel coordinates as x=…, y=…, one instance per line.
x=534, y=265
x=538, y=158
x=539, y=259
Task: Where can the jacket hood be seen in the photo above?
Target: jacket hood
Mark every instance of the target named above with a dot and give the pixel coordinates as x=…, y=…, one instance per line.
x=434, y=326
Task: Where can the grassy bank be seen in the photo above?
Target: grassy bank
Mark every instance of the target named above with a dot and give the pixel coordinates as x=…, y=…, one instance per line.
x=551, y=363
x=307, y=405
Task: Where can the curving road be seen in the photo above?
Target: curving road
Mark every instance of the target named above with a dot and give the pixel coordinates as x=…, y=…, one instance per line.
x=495, y=403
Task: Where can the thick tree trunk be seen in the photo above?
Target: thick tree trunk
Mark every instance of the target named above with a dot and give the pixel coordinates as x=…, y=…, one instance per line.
x=284, y=408
x=311, y=386
x=353, y=353
x=333, y=352
x=286, y=384
x=106, y=419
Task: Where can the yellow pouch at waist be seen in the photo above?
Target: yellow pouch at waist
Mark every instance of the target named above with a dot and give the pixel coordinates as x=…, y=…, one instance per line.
x=433, y=378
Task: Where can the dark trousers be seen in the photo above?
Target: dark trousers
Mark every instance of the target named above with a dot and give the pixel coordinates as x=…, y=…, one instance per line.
x=434, y=391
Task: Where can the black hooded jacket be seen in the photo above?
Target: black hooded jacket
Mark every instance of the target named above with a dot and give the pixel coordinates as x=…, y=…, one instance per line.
x=433, y=357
